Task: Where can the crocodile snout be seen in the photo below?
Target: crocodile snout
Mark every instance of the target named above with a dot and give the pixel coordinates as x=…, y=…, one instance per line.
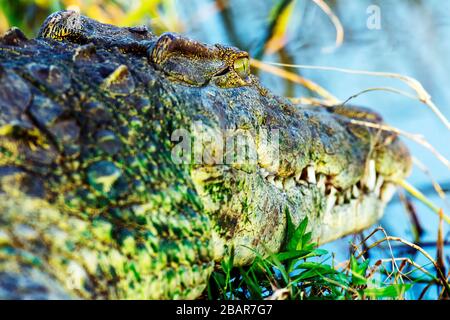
x=338, y=173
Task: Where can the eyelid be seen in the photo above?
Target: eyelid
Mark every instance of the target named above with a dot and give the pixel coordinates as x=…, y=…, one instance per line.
x=222, y=72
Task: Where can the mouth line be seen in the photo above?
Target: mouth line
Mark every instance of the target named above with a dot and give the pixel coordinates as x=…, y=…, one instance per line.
x=371, y=184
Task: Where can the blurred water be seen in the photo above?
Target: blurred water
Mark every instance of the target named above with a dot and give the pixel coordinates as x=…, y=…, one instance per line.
x=414, y=40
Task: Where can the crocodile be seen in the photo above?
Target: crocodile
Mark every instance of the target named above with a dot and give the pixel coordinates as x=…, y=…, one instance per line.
x=131, y=163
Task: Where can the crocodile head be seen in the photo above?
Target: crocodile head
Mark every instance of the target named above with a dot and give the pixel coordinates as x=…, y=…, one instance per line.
x=255, y=156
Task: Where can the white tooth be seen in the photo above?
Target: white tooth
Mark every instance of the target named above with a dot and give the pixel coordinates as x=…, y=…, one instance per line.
x=388, y=191
x=302, y=183
x=279, y=183
x=333, y=191
x=297, y=176
x=340, y=199
x=311, y=174
x=264, y=173
x=289, y=183
x=378, y=185
x=355, y=191
x=271, y=179
x=321, y=183
x=331, y=200
x=348, y=194
x=371, y=176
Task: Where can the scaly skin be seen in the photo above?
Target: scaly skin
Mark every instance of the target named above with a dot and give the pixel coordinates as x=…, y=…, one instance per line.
x=93, y=203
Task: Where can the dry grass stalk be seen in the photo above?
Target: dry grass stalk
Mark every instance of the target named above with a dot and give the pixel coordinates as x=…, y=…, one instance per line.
x=422, y=95
x=437, y=187
x=441, y=276
x=412, y=212
x=294, y=78
x=335, y=20
x=421, y=197
x=414, y=137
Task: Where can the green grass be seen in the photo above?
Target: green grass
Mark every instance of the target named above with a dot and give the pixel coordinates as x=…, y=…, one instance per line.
x=301, y=271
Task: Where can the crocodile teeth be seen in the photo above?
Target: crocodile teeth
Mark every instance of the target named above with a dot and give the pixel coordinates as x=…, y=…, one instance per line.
x=264, y=173
x=289, y=183
x=298, y=176
x=279, y=183
x=311, y=174
x=321, y=183
x=331, y=200
x=388, y=191
x=371, y=176
x=378, y=185
x=348, y=194
x=271, y=179
x=355, y=191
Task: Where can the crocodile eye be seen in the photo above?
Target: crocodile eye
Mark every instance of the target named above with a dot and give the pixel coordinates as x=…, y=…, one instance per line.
x=242, y=67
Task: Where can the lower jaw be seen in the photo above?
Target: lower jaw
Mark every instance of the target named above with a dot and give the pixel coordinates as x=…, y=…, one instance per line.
x=262, y=228
x=347, y=219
